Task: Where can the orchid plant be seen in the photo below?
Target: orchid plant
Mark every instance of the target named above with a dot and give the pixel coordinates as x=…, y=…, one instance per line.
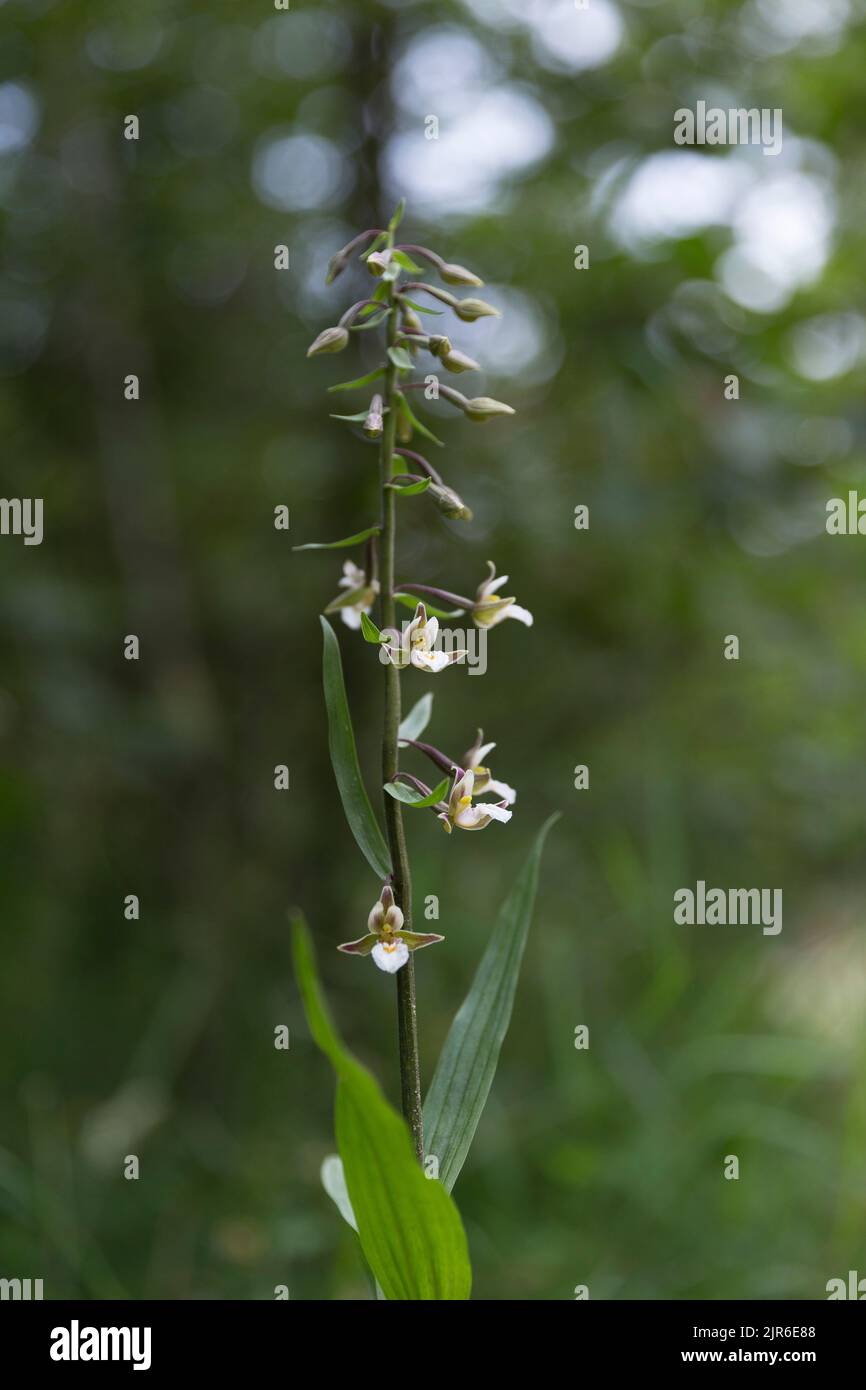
x=466, y=795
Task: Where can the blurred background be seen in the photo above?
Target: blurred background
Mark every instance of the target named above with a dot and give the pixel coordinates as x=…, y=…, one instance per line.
x=261, y=128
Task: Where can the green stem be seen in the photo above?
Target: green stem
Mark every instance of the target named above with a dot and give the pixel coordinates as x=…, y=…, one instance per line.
x=407, y=1022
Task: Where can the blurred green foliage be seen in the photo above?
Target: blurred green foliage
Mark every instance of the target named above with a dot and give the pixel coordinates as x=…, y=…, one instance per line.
x=156, y=257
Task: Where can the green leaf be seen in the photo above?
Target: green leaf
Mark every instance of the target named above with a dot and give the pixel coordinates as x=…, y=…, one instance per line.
x=409, y=1228
x=406, y=263
x=350, y=598
x=375, y=245
x=401, y=359
x=333, y=1181
x=344, y=759
x=422, y=308
x=467, y=1063
x=339, y=545
x=359, y=381
x=412, y=601
x=409, y=489
x=398, y=215
x=369, y=630
x=410, y=797
x=373, y=322
x=418, y=718
x=415, y=422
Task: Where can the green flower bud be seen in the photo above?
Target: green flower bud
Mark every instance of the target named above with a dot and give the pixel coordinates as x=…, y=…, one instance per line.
x=438, y=344
x=378, y=263
x=373, y=425
x=455, y=361
x=336, y=265
x=483, y=408
x=449, y=502
x=329, y=340
x=457, y=275
x=471, y=309
x=410, y=320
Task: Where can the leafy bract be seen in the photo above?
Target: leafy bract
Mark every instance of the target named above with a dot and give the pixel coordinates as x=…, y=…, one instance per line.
x=410, y=797
x=418, y=718
x=340, y=545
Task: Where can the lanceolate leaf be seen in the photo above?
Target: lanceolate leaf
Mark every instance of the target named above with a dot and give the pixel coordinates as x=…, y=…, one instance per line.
x=344, y=759
x=422, y=308
x=339, y=545
x=414, y=421
x=369, y=630
x=418, y=718
x=409, y=1228
x=371, y=323
x=406, y=263
x=410, y=797
x=467, y=1063
x=400, y=357
x=359, y=381
x=410, y=489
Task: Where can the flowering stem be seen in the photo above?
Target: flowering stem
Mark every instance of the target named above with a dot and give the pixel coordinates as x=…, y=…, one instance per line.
x=407, y=1023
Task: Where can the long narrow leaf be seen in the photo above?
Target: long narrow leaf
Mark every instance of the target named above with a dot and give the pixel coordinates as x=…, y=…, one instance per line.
x=409, y=1228
x=359, y=381
x=467, y=1063
x=358, y=537
x=412, y=419
x=344, y=759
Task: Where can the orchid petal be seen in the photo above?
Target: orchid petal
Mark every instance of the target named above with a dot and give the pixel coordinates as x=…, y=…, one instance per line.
x=502, y=790
x=362, y=947
x=415, y=940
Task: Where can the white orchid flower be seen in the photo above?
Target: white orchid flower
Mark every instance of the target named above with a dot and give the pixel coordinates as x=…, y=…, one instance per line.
x=386, y=941
x=460, y=810
x=415, y=647
x=489, y=609
x=484, y=781
x=358, y=598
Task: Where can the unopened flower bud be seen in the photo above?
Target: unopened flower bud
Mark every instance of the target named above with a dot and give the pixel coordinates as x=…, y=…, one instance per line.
x=329, y=340
x=336, y=265
x=482, y=408
x=373, y=425
x=449, y=502
x=410, y=320
x=456, y=361
x=458, y=275
x=403, y=429
x=378, y=263
x=438, y=344
x=471, y=309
